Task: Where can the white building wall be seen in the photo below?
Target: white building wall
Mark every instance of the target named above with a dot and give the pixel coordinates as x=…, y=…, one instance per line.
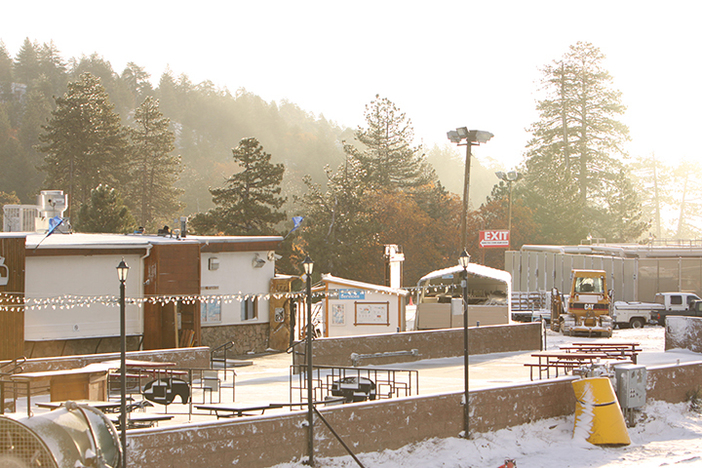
x=342, y=312
x=79, y=275
x=236, y=276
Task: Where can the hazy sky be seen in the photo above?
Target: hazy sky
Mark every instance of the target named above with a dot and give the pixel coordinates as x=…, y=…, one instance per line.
x=447, y=64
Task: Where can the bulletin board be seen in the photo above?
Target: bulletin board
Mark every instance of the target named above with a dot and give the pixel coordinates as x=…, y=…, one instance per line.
x=372, y=313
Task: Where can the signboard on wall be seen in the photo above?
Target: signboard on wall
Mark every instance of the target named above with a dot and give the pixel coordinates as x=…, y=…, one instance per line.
x=496, y=238
x=372, y=313
x=352, y=294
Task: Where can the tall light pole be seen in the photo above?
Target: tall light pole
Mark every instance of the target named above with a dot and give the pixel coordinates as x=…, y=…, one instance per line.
x=122, y=272
x=464, y=260
x=509, y=177
x=308, y=265
x=472, y=138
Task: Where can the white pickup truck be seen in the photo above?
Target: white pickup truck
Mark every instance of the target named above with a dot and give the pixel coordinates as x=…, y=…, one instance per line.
x=637, y=314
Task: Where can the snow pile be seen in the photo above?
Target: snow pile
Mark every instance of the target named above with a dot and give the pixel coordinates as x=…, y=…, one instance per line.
x=665, y=435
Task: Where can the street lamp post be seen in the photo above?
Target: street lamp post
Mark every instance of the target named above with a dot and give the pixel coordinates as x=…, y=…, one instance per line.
x=122, y=272
x=308, y=265
x=509, y=177
x=472, y=138
x=464, y=260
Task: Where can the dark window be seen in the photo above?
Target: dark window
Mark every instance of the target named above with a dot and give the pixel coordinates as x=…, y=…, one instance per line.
x=249, y=308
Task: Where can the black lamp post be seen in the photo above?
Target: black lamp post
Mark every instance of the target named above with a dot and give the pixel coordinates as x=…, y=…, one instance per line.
x=308, y=265
x=464, y=260
x=122, y=272
x=472, y=138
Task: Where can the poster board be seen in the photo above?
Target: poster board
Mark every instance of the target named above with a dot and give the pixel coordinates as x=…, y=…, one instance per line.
x=372, y=313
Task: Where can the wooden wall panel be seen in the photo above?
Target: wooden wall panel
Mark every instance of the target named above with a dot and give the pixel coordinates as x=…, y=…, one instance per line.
x=12, y=249
x=171, y=270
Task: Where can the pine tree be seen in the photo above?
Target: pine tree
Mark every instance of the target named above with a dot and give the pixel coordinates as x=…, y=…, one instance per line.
x=386, y=154
x=574, y=160
x=104, y=212
x=249, y=202
x=5, y=74
x=84, y=142
x=26, y=67
x=338, y=231
x=154, y=169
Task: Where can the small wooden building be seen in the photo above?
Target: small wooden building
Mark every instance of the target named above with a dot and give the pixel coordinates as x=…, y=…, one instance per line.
x=357, y=308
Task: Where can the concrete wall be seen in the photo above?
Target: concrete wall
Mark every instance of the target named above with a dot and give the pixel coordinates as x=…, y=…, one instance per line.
x=196, y=358
x=387, y=424
x=367, y=427
x=683, y=333
x=430, y=344
x=673, y=383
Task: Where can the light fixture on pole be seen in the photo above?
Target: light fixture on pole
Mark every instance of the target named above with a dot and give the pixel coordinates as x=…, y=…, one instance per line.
x=308, y=266
x=472, y=138
x=122, y=272
x=509, y=177
x=464, y=260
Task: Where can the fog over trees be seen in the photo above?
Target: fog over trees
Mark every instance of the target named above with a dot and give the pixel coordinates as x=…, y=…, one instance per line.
x=161, y=148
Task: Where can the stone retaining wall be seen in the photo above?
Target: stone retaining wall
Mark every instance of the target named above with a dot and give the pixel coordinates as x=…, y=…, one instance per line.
x=247, y=338
x=195, y=358
x=430, y=344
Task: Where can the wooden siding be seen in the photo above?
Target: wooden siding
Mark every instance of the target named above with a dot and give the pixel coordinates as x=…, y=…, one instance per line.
x=171, y=270
x=12, y=249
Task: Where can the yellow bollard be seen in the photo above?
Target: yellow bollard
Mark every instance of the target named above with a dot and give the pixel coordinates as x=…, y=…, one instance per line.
x=598, y=417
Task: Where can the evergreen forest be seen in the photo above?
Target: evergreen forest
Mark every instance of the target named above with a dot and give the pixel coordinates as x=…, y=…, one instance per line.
x=136, y=152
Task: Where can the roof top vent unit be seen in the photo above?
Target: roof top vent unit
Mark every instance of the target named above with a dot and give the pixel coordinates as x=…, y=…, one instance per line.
x=19, y=218
x=52, y=203
x=72, y=436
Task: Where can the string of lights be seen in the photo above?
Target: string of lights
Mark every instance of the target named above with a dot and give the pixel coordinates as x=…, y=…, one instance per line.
x=18, y=301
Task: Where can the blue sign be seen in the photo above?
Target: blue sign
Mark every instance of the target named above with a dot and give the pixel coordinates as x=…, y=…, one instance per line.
x=352, y=294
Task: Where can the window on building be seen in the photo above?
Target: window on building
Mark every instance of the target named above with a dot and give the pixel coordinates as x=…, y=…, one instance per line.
x=211, y=311
x=249, y=308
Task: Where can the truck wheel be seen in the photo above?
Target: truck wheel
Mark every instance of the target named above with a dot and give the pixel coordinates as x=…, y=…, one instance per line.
x=636, y=322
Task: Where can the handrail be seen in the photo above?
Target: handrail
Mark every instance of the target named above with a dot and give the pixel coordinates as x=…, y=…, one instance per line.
x=223, y=348
x=16, y=366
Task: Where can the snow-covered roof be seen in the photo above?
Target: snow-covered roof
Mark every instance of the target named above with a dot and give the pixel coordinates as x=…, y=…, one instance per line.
x=473, y=269
x=235, y=239
x=327, y=278
x=125, y=241
x=84, y=241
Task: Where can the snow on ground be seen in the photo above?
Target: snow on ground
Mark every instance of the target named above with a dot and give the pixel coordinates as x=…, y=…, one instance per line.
x=665, y=434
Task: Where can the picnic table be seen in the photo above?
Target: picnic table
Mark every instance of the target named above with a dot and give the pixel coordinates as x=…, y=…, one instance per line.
x=104, y=406
x=564, y=361
x=230, y=410
x=140, y=420
x=613, y=350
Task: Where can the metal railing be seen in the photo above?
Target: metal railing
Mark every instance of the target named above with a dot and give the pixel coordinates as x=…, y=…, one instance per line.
x=327, y=380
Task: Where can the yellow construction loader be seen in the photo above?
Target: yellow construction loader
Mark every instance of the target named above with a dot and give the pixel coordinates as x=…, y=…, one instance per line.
x=588, y=311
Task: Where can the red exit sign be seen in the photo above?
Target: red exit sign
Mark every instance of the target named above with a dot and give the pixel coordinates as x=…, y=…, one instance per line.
x=494, y=239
